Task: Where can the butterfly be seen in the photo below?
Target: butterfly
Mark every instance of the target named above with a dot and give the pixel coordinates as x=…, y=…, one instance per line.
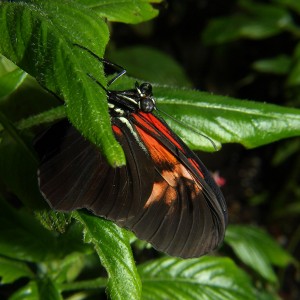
x=164, y=193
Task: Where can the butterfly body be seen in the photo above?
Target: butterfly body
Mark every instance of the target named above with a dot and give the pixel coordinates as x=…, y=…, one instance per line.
x=164, y=193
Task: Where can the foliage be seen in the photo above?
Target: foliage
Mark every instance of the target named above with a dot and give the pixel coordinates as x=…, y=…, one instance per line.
x=51, y=255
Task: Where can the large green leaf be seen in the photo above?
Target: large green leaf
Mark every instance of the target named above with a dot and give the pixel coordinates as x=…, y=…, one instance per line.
x=257, y=249
x=39, y=37
x=126, y=11
x=112, y=245
x=225, y=119
x=191, y=279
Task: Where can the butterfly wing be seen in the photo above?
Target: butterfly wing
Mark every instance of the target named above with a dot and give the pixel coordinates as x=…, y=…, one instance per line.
x=164, y=193
x=185, y=214
x=73, y=174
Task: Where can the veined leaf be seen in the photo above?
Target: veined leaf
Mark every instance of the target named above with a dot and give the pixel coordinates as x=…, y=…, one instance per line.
x=39, y=37
x=112, y=245
x=191, y=279
x=225, y=119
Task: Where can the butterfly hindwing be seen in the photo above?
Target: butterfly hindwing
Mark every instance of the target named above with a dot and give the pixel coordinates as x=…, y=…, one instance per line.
x=185, y=214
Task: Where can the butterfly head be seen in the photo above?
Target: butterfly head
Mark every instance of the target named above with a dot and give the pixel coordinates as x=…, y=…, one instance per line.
x=146, y=101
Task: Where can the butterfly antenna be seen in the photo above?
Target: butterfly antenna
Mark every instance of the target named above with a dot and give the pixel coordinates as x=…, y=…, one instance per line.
x=187, y=126
x=121, y=70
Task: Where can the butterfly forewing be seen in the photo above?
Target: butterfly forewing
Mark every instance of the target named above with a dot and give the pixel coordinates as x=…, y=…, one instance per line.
x=164, y=193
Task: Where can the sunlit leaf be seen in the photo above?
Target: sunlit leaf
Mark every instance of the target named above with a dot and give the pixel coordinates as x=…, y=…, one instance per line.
x=191, y=279
x=126, y=11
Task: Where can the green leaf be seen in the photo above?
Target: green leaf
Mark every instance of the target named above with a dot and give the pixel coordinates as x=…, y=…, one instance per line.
x=39, y=37
x=279, y=65
x=257, y=249
x=11, y=270
x=294, y=75
x=10, y=81
x=45, y=117
x=112, y=245
x=255, y=21
x=48, y=290
x=22, y=237
x=27, y=292
x=18, y=166
x=68, y=269
x=150, y=65
x=202, y=278
x=225, y=119
x=126, y=11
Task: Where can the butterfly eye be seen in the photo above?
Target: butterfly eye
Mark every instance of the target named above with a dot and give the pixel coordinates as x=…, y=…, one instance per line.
x=146, y=89
x=147, y=105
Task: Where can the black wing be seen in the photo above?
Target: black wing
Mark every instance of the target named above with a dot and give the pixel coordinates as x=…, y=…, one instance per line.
x=160, y=194
x=73, y=174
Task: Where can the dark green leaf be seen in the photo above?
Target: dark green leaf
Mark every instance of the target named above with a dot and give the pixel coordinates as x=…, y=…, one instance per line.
x=150, y=65
x=27, y=292
x=22, y=237
x=39, y=37
x=113, y=248
x=48, y=290
x=294, y=75
x=255, y=21
x=202, y=278
x=126, y=11
x=279, y=65
x=42, y=118
x=69, y=268
x=18, y=166
x=11, y=270
x=293, y=4
x=257, y=249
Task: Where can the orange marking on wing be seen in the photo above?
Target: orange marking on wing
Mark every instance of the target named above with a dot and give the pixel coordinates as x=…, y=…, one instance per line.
x=167, y=189
x=161, y=190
